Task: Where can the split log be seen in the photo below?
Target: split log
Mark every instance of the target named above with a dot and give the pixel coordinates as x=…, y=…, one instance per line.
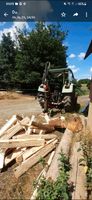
x=46, y=136
x=12, y=156
x=64, y=147
x=28, y=152
x=29, y=130
x=2, y=155
x=32, y=119
x=77, y=173
x=8, y=134
x=12, y=143
x=46, y=127
x=16, y=128
x=21, y=169
x=38, y=131
x=8, y=125
x=35, y=130
x=33, y=150
x=41, y=175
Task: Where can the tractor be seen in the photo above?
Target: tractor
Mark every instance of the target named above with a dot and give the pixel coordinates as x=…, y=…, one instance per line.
x=58, y=89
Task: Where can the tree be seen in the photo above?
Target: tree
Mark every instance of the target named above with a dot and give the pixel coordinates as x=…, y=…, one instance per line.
x=44, y=43
x=84, y=81
x=7, y=58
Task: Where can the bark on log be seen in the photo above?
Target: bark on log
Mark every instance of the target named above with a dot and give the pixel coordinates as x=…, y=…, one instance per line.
x=84, y=122
x=89, y=121
x=46, y=127
x=77, y=173
x=74, y=123
x=57, y=122
x=64, y=147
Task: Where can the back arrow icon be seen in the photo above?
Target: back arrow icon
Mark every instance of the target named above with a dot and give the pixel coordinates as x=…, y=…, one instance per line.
x=5, y=14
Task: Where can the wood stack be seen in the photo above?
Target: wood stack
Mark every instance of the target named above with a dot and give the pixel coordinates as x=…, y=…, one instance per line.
x=25, y=141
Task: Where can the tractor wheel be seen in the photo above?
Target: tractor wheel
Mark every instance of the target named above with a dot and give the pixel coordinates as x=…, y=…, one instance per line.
x=40, y=98
x=45, y=106
x=45, y=103
x=67, y=103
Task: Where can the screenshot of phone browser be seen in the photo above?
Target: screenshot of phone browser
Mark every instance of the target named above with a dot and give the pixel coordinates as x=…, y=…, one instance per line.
x=45, y=67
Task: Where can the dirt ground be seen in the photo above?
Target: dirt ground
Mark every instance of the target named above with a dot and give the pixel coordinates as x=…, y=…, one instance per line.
x=83, y=100
x=13, y=103
x=10, y=187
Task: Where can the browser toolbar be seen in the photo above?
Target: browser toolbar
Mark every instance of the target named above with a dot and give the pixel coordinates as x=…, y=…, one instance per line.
x=45, y=10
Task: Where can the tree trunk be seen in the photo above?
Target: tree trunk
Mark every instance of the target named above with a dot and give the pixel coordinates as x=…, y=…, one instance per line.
x=77, y=173
x=64, y=147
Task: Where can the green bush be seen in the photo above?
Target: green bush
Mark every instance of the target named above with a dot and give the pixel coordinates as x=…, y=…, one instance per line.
x=59, y=189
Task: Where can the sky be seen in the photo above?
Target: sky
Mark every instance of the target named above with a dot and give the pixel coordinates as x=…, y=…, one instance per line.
x=77, y=41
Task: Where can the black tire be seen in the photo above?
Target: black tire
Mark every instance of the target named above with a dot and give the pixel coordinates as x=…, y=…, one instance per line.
x=41, y=99
x=45, y=102
x=67, y=104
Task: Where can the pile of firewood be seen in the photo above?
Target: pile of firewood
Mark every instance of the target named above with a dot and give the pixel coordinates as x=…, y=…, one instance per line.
x=25, y=140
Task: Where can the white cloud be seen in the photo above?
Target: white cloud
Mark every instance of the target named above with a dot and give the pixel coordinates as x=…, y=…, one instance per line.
x=81, y=55
x=72, y=55
x=21, y=25
x=91, y=69
x=13, y=29
x=73, y=68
